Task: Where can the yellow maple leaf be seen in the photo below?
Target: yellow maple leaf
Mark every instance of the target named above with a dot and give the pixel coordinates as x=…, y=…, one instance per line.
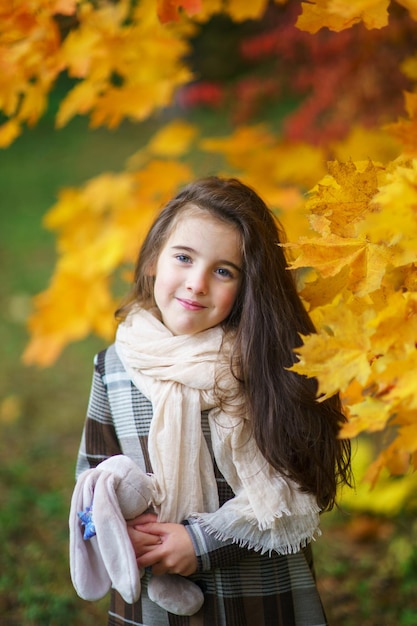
x=99, y=257
x=9, y=131
x=33, y=104
x=396, y=324
x=80, y=214
x=289, y=159
x=397, y=197
x=29, y=42
x=350, y=263
x=135, y=102
x=372, y=144
x=338, y=353
x=352, y=394
x=127, y=42
x=402, y=380
x=327, y=255
x=173, y=139
x=68, y=310
x=407, y=436
x=380, y=271
x=317, y=291
x=338, y=15
x=289, y=203
x=388, y=404
x=80, y=99
x=405, y=131
x=371, y=415
x=256, y=151
x=367, y=276
x=316, y=15
x=373, y=13
x=241, y=142
x=240, y=11
x=81, y=45
x=343, y=196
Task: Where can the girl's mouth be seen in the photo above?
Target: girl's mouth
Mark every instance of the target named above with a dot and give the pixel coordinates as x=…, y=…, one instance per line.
x=191, y=305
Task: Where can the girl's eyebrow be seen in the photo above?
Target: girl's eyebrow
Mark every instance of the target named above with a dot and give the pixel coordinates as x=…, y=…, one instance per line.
x=220, y=261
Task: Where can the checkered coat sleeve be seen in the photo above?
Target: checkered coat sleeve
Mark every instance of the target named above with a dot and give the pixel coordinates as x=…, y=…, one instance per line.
x=241, y=587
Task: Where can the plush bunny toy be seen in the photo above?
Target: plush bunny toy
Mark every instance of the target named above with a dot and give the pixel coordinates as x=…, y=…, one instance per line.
x=101, y=553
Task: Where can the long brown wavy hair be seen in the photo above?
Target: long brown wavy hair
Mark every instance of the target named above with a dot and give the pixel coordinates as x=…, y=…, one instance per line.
x=298, y=435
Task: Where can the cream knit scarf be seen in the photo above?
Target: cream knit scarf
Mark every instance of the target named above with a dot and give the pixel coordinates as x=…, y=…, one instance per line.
x=177, y=373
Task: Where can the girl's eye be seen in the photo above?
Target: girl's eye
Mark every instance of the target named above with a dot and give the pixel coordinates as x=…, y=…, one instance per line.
x=225, y=273
x=183, y=258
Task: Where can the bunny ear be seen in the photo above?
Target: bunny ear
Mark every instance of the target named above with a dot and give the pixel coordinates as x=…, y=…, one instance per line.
x=115, y=546
x=88, y=571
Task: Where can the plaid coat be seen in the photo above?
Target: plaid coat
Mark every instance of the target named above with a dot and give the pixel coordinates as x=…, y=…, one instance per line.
x=241, y=586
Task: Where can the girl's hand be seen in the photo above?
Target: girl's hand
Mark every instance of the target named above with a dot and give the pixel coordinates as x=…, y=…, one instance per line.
x=142, y=542
x=166, y=547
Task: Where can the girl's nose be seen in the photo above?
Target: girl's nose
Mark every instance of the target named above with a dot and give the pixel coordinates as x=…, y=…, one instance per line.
x=197, y=282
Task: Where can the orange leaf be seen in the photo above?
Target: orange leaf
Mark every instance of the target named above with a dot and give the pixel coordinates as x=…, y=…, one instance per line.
x=338, y=15
x=169, y=10
x=64, y=7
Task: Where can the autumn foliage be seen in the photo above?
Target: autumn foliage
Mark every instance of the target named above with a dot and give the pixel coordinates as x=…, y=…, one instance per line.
x=351, y=67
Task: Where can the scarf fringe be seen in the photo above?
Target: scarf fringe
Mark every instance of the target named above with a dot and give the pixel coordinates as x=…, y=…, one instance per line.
x=287, y=534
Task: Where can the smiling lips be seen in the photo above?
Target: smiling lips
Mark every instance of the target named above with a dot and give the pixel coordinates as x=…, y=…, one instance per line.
x=191, y=305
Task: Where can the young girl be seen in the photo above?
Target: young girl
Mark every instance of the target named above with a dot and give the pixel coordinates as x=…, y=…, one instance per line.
x=196, y=389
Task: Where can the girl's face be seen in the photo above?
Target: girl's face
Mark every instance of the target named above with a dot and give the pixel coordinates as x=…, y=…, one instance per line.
x=197, y=275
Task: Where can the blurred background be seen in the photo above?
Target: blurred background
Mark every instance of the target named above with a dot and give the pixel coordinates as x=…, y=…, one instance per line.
x=263, y=71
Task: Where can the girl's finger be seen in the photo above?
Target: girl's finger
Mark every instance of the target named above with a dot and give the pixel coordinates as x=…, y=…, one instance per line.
x=145, y=518
x=151, y=528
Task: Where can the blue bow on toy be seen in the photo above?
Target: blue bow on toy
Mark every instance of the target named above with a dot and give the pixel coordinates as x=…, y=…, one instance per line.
x=86, y=518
